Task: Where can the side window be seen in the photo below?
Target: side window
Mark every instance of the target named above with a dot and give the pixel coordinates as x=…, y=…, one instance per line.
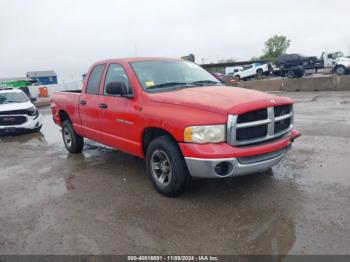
x=247, y=67
x=116, y=73
x=93, y=85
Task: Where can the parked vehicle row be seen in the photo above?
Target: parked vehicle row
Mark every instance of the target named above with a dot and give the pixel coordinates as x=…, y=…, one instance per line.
x=291, y=66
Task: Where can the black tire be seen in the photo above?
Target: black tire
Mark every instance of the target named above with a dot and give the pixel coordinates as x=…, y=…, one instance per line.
x=237, y=78
x=259, y=73
x=73, y=142
x=290, y=74
x=166, y=167
x=340, y=70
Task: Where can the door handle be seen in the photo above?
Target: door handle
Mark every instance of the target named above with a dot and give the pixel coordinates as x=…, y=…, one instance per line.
x=82, y=102
x=103, y=106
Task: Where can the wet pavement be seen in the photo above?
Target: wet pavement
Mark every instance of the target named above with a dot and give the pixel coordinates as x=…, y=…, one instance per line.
x=101, y=202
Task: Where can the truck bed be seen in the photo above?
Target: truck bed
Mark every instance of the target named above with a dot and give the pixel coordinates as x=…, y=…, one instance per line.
x=69, y=102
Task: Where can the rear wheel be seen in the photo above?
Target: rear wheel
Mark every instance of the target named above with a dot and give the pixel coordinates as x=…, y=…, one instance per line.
x=340, y=70
x=259, y=73
x=166, y=167
x=237, y=78
x=73, y=142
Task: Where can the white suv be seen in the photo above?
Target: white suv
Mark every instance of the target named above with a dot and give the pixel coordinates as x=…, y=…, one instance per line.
x=17, y=113
x=251, y=71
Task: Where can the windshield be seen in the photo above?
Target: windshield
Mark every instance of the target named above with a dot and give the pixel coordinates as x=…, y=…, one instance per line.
x=12, y=97
x=171, y=74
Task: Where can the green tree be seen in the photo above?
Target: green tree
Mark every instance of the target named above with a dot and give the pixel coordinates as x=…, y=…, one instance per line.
x=274, y=47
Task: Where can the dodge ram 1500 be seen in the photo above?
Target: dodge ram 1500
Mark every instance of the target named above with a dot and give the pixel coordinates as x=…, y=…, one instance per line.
x=178, y=117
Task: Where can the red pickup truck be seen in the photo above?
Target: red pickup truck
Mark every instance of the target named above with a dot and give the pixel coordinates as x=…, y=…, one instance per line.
x=178, y=117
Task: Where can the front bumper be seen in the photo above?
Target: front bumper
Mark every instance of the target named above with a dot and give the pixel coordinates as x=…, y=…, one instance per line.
x=208, y=168
x=243, y=160
x=32, y=123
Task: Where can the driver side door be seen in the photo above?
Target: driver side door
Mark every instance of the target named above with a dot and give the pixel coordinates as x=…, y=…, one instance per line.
x=120, y=119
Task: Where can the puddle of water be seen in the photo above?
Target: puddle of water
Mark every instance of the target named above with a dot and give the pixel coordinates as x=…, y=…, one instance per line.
x=46, y=189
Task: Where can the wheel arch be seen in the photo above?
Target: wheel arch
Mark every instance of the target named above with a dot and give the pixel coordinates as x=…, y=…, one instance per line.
x=151, y=133
x=337, y=66
x=63, y=116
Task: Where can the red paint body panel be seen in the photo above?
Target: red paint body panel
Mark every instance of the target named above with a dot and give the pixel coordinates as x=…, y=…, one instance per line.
x=171, y=111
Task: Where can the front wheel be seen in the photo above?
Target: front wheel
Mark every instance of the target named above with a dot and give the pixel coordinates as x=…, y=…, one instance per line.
x=340, y=70
x=73, y=142
x=166, y=167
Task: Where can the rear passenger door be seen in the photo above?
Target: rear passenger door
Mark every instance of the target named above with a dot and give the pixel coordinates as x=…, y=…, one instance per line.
x=90, y=104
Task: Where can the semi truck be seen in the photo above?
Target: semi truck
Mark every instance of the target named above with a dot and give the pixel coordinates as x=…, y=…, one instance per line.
x=335, y=61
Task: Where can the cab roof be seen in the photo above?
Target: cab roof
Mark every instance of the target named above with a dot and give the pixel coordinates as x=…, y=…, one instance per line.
x=136, y=59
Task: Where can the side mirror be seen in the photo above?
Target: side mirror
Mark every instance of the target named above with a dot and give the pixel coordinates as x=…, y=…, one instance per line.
x=33, y=100
x=116, y=89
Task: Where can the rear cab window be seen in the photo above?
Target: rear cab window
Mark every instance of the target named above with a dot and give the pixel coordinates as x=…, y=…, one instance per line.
x=93, y=84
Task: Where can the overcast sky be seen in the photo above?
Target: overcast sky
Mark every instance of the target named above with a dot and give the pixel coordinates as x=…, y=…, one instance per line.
x=68, y=35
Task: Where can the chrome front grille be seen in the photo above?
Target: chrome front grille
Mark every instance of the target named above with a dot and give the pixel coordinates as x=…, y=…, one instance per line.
x=259, y=125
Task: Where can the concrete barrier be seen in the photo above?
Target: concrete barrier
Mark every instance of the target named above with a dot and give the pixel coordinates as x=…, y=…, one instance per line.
x=262, y=85
x=342, y=82
x=314, y=83
x=318, y=83
x=42, y=101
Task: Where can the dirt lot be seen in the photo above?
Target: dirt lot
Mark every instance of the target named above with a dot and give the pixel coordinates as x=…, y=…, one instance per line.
x=101, y=202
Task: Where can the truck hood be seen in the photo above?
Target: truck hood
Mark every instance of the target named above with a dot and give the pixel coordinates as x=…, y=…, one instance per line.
x=220, y=99
x=15, y=106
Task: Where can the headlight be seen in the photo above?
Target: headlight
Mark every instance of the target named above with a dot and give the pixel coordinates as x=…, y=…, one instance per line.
x=205, y=134
x=31, y=111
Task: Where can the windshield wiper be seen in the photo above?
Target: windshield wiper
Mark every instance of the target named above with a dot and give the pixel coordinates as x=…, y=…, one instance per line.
x=185, y=84
x=170, y=84
x=205, y=82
